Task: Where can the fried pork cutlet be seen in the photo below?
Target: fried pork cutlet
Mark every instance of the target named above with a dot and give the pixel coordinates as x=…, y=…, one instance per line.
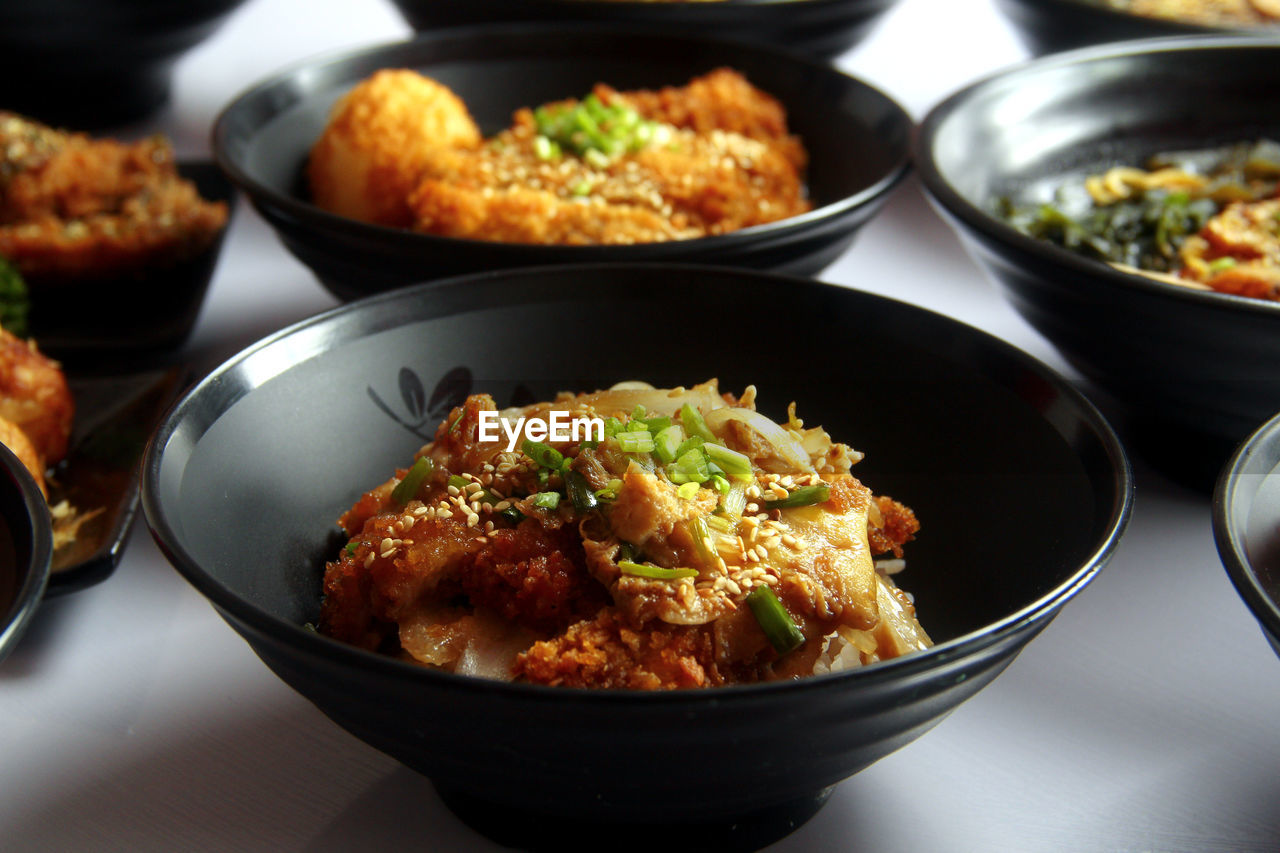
x=623, y=562
x=35, y=397
x=720, y=160
x=707, y=158
x=72, y=207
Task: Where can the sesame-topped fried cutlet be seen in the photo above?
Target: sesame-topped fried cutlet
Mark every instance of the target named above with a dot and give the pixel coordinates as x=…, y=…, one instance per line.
x=708, y=158
x=691, y=542
x=72, y=206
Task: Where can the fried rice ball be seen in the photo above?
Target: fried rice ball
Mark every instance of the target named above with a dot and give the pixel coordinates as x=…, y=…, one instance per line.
x=35, y=397
x=380, y=137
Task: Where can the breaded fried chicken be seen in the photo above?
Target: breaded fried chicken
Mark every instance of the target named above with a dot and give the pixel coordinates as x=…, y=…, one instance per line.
x=73, y=207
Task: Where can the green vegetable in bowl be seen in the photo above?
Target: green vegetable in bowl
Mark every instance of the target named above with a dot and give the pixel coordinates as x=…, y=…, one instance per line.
x=15, y=300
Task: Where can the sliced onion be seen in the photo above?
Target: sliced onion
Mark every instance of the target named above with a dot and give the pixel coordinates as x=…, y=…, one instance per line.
x=786, y=447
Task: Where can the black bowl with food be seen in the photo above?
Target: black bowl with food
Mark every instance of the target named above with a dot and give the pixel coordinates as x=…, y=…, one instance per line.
x=92, y=64
x=1246, y=525
x=824, y=28
x=1048, y=26
x=1186, y=364
x=244, y=479
x=856, y=140
x=26, y=549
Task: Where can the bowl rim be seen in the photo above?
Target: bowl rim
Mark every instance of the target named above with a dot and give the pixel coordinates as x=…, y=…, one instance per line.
x=1171, y=26
x=308, y=214
x=234, y=608
x=35, y=573
x=1229, y=536
x=631, y=5
x=992, y=229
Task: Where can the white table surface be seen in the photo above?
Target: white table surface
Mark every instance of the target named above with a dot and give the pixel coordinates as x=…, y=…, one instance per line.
x=1146, y=717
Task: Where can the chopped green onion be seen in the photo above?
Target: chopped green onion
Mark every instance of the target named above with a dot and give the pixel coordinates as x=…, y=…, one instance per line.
x=581, y=188
x=733, y=462
x=694, y=423
x=720, y=484
x=544, y=148
x=512, y=515
x=735, y=502
x=627, y=552
x=721, y=524
x=689, y=444
x=635, y=442
x=15, y=300
x=657, y=424
x=584, y=500
x=352, y=546
x=803, y=496
x=701, y=537
x=544, y=454
x=1222, y=264
x=691, y=467
x=638, y=413
x=612, y=426
x=775, y=621
x=667, y=442
x=644, y=570
x=546, y=500
x=458, y=481
x=688, y=491
x=408, y=487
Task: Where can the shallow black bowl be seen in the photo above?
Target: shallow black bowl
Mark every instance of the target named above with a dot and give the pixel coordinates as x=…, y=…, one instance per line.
x=1246, y=525
x=136, y=316
x=96, y=63
x=1046, y=26
x=824, y=28
x=26, y=549
x=857, y=139
x=1192, y=369
x=242, y=480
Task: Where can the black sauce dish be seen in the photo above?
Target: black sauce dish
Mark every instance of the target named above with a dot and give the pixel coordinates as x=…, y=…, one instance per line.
x=1246, y=525
x=244, y=477
x=93, y=64
x=822, y=28
x=1049, y=26
x=1190, y=371
x=857, y=139
x=26, y=549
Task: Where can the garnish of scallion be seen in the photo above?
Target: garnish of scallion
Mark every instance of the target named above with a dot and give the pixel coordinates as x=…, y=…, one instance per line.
x=407, y=488
x=775, y=621
x=644, y=570
x=803, y=496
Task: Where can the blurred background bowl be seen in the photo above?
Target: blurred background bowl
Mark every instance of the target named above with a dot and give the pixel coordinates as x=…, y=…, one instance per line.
x=137, y=316
x=1246, y=525
x=970, y=432
x=1048, y=26
x=1191, y=371
x=96, y=63
x=823, y=28
x=26, y=549
x=857, y=139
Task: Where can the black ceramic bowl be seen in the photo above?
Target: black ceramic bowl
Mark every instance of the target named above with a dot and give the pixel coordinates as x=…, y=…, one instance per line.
x=1191, y=369
x=96, y=63
x=824, y=28
x=1246, y=525
x=26, y=549
x=856, y=136
x=243, y=479
x=134, y=316
x=1046, y=26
